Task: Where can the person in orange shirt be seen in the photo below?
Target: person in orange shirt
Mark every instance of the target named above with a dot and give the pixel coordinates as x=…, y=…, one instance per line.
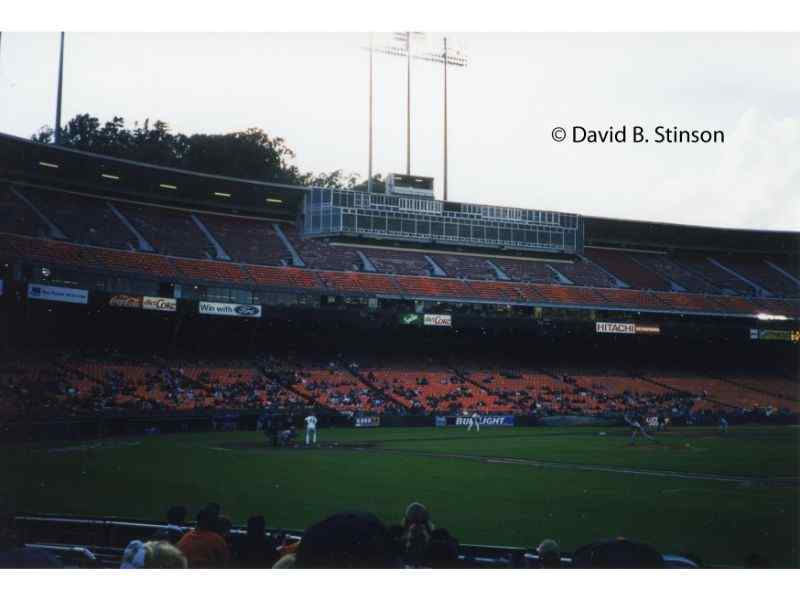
x=203, y=547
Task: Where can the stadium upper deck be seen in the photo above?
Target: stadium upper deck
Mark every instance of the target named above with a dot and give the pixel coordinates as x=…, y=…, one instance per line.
x=61, y=209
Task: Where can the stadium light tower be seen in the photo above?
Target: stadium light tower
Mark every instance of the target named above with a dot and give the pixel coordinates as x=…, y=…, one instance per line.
x=447, y=58
x=457, y=59
x=57, y=137
x=403, y=50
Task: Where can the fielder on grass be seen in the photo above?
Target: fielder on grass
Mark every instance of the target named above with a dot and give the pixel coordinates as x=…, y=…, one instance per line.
x=474, y=419
x=637, y=428
x=311, y=429
x=723, y=424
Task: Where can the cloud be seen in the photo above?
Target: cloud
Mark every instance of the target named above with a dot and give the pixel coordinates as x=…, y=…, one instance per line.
x=755, y=183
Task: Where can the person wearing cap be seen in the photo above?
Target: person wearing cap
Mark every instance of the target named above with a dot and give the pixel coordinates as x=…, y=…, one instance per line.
x=549, y=554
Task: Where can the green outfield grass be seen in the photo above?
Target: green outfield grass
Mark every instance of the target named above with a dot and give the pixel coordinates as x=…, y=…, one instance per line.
x=481, y=502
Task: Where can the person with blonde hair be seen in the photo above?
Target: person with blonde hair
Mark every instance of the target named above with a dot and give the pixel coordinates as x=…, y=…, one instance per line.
x=152, y=555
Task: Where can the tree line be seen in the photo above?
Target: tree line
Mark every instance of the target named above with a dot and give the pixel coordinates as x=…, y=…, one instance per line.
x=248, y=154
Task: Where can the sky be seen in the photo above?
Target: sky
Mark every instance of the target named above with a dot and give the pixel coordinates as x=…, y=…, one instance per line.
x=312, y=90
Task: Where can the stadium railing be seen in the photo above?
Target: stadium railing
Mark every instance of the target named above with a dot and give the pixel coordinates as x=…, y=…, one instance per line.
x=92, y=542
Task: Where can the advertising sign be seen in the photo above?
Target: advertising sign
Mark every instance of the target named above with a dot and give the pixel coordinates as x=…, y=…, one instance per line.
x=162, y=304
x=410, y=319
x=628, y=328
x=439, y=320
x=494, y=421
x=57, y=294
x=123, y=301
x=368, y=421
x=648, y=329
x=230, y=310
x=775, y=335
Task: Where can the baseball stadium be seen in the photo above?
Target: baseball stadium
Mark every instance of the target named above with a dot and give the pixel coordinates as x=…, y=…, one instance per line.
x=231, y=371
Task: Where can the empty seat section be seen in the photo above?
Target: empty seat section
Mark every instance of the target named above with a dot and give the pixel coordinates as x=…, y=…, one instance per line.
x=733, y=304
x=717, y=390
x=83, y=219
x=366, y=282
x=759, y=272
x=584, y=273
x=674, y=272
x=142, y=263
x=722, y=279
x=247, y=240
x=632, y=299
x=526, y=270
x=283, y=277
x=434, y=287
x=398, y=262
x=17, y=217
x=560, y=294
x=51, y=252
x=169, y=231
x=691, y=302
x=210, y=270
x=496, y=290
x=317, y=254
x=624, y=266
x=463, y=266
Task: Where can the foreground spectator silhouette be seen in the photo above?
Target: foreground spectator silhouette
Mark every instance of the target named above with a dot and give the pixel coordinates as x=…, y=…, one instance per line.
x=347, y=540
x=255, y=552
x=549, y=554
x=417, y=528
x=203, y=547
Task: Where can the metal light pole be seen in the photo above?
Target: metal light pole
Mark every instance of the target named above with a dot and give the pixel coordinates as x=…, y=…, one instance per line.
x=456, y=60
x=371, y=116
x=57, y=138
x=405, y=52
x=444, y=70
x=408, y=102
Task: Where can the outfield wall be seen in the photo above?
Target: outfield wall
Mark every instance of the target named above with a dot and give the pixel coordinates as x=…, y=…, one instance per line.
x=136, y=425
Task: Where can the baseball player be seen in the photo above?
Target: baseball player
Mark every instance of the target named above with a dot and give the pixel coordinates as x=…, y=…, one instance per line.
x=474, y=420
x=311, y=429
x=636, y=428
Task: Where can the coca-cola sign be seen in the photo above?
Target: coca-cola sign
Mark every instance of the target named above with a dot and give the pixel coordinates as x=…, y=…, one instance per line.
x=123, y=301
x=438, y=320
x=162, y=304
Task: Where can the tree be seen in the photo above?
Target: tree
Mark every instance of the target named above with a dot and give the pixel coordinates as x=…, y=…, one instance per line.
x=248, y=154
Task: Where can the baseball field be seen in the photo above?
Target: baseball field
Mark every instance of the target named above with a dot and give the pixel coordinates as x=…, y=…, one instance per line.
x=695, y=491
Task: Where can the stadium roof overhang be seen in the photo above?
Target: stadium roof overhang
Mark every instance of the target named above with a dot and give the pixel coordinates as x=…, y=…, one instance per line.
x=46, y=164
x=642, y=235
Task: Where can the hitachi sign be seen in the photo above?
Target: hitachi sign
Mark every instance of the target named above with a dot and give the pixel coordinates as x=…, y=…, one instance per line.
x=615, y=328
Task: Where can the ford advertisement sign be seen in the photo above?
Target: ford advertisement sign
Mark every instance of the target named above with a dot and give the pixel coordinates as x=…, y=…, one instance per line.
x=230, y=310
